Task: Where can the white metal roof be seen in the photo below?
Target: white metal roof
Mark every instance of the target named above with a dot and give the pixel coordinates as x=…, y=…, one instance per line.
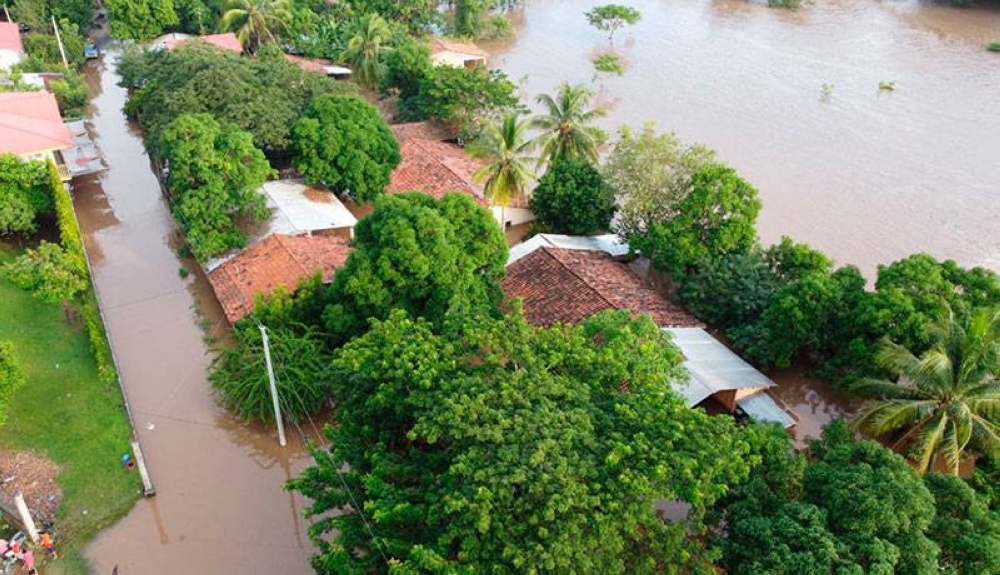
x=762, y=407
x=608, y=243
x=297, y=208
x=712, y=366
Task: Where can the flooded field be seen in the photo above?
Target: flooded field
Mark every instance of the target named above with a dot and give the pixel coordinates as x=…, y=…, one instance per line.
x=865, y=175
x=220, y=506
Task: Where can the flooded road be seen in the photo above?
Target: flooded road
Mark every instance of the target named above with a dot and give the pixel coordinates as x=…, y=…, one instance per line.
x=220, y=507
x=863, y=175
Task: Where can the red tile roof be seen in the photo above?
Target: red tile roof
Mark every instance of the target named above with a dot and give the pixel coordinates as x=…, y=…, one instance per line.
x=225, y=40
x=436, y=167
x=315, y=65
x=30, y=122
x=419, y=131
x=10, y=37
x=278, y=260
x=568, y=286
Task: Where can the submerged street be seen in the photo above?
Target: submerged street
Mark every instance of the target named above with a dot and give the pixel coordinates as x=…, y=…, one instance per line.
x=220, y=506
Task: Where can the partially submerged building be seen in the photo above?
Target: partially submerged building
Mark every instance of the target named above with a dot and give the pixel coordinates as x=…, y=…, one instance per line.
x=458, y=54
x=566, y=279
x=309, y=232
x=432, y=164
x=225, y=40
x=320, y=66
x=11, y=49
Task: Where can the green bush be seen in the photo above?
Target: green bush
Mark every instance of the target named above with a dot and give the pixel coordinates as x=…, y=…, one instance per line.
x=99, y=345
x=11, y=377
x=69, y=229
x=301, y=371
x=609, y=63
x=72, y=95
x=24, y=194
x=993, y=46
x=787, y=4
x=50, y=273
x=572, y=198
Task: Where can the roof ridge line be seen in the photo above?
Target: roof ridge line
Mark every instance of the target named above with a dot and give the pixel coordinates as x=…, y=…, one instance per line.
x=577, y=276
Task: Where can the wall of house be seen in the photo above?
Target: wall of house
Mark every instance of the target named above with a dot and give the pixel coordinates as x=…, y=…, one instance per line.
x=512, y=216
x=727, y=399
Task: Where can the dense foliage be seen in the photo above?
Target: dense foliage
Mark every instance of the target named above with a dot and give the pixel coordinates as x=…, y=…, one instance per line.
x=846, y=506
x=485, y=445
x=510, y=160
x=301, y=373
x=342, y=142
x=567, y=125
x=11, y=377
x=964, y=527
x=459, y=95
x=24, y=194
x=49, y=272
x=140, y=19
x=214, y=177
x=572, y=198
x=262, y=95
x=420, y=255
x=37, y=13
x=611, y=17
x=942, y=406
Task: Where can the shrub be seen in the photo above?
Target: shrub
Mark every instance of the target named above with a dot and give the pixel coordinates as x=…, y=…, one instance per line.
x=609, y=63
x=993, y=46
x=787, y=4
x=24, y=194
x=72, y=95
x=50, y=273
x=301, y=373
x=11, y=377
x=99, y=345
x=572, y=198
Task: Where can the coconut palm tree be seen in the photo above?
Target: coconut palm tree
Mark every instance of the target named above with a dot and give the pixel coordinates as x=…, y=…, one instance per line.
x=567, y=125
x=367, y=49
x=510, y=158
x=947, y=401
x=255, y=22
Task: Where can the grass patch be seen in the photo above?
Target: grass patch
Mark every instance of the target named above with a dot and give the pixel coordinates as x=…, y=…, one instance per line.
x=993, y=46
x=66, y=413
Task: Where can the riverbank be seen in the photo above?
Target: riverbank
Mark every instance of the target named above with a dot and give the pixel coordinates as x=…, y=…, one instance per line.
x=66, y=413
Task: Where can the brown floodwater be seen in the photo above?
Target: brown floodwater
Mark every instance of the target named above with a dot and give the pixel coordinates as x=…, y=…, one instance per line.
x=220, y=506
x=863, y=175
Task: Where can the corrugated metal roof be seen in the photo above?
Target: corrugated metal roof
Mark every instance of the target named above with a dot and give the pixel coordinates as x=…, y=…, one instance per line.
x=608, y=243
x=297, y=208
x=762, y=407
x=712, y=366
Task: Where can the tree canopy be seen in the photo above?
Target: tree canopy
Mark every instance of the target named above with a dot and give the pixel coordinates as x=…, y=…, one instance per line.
x=510, y=157
x=24, y=194
x=262, y=95
x=612, y=17
x=572, y=198
x=484, y=444
x=215, y=174
x=140, y=19
x=460, y=95
x=342, y=142
x=567, y=125
x=48, y=272
x=418, y=254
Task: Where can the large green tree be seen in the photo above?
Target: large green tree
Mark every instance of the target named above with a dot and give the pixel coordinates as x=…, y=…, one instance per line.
x=964, y=527
x=262, y=95
x=509, y=157
x=484, y=445
x=944, y=404
x=215, y=174
x=458, y=96
x=567, y=125
x=421, y=255
x=49, y=272
x=342, y=142
x=24, y=194
x=140, y=19
x=572, y=198
x=716, y=217
x=612, y=17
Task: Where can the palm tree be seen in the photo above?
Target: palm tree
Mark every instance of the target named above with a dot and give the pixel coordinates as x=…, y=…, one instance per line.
x=566, y=125
x=947, y=401
x=367, y=49
x=255, y=21
x=508, y=172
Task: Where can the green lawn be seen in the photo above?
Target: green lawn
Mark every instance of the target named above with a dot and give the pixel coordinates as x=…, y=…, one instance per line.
x=67, y=414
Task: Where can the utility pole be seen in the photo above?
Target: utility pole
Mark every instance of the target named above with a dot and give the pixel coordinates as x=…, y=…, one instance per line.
x=274, y=388
x=6, y=13
x=62, y=51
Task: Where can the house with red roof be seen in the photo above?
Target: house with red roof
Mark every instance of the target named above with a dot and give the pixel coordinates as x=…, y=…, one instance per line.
x=11, y=50
x=566, y=279
x=226, y=41
x=33, y=129
x=436, y=166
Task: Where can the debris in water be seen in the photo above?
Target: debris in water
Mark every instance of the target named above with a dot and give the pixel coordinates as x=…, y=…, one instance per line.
x=887, y=86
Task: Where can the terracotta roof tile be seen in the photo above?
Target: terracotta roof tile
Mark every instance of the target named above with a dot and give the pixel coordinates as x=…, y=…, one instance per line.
x=568, y=286
x=419, y=131
x=436, y=168
x=10, y=37
x=457, y=47
x=278, y=260
x=225, y=40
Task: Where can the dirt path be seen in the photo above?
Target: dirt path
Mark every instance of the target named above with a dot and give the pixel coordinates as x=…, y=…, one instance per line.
x=220, y=507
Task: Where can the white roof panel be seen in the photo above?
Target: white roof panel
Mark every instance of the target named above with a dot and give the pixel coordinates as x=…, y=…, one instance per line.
x=297, y=208
x=608, y=243
x=762, y=407
x=712, y=366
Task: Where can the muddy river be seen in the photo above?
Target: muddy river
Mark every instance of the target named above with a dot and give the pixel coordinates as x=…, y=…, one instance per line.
x=864, y=175
x=220, y=507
